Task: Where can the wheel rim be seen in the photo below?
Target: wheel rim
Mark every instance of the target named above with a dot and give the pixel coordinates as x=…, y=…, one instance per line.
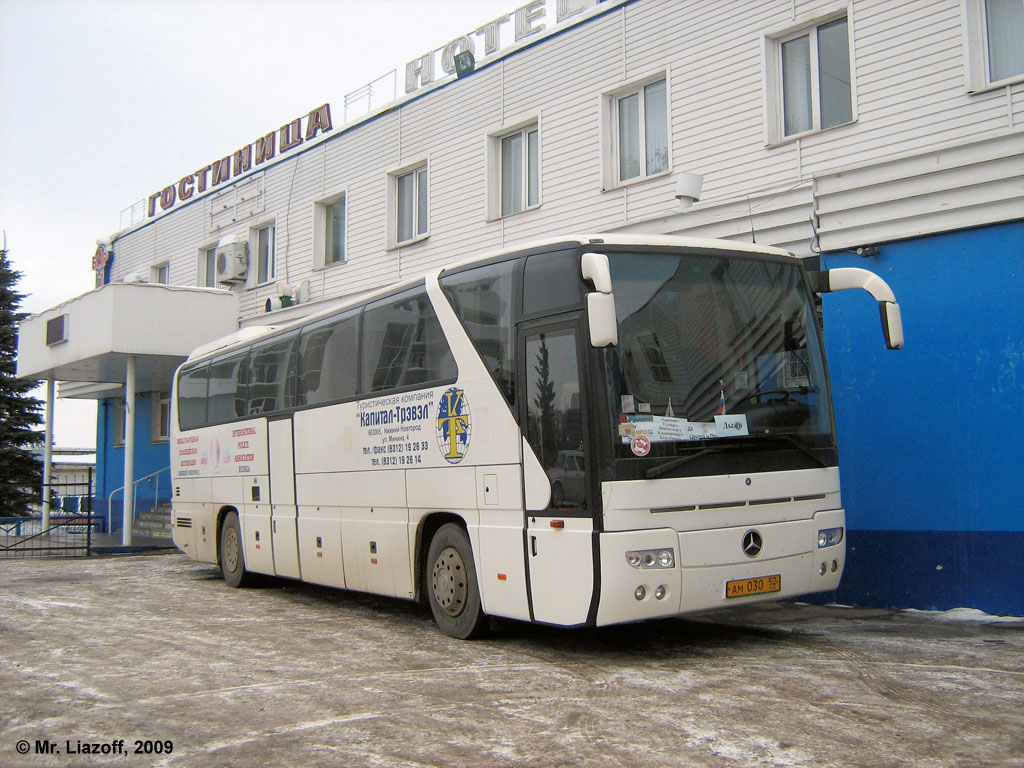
x=449, y=581
x=231, y=549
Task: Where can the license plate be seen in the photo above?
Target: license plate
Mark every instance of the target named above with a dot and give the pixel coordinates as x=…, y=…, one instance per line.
x=756, y=586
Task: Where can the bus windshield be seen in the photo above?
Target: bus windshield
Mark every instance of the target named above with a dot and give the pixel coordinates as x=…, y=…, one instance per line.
x=718, y=368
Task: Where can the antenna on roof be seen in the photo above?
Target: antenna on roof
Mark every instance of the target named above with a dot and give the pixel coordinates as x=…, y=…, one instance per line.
x=750, y=215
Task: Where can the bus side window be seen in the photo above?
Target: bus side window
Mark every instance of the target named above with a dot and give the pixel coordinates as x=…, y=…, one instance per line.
x=552, y=282
x=554, y=423
x=403, y=344
x=328, y=360
x=271, y=376
x=226, y=388
x=482, y=298
x=192, y=391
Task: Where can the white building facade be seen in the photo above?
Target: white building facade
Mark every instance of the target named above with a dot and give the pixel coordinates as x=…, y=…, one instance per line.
x=860, y=132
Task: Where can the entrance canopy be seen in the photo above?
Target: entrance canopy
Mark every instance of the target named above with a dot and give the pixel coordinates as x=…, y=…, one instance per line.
x=91, y=337
x=130, y=334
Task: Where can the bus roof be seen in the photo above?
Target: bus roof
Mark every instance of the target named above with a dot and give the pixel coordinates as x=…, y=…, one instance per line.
x=252, y=333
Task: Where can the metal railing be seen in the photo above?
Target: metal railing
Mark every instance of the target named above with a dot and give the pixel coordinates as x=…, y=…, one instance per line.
x=153, y=480
x=70, y=529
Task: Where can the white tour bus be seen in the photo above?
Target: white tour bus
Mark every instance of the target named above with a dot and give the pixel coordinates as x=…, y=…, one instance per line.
x=582, y=431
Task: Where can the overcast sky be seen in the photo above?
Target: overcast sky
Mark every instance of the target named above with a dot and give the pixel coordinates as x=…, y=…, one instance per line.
x=104, y=103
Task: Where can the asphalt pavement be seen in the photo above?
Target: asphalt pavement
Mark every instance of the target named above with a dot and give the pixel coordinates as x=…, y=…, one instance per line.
x=150, y=659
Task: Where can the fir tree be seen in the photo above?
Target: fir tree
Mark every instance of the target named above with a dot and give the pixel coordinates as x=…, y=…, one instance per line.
x=544, y=402
x=20, y=468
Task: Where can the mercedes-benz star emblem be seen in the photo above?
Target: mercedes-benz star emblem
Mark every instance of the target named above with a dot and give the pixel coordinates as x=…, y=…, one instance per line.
x=752, y=543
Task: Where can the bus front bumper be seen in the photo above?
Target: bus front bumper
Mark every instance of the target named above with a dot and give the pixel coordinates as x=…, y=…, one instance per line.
x=717, y=568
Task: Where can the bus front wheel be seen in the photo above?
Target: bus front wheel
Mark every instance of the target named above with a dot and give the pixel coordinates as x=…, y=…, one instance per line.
x=232, y=555
x=452, y=586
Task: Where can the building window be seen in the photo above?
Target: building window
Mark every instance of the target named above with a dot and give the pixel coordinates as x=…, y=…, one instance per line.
x=412, y=205
x=520, y=170
x=265, y=253
x=119, y=422
x=809, y=79
x=637, y=121
x=995, y=54
x=651, y=346
x=1004, y=30
x=642, y=132
x=160, y=273
x=329, y=231
x=161, y=418
x=208, y=267
x=335, y=234
x=408, y=198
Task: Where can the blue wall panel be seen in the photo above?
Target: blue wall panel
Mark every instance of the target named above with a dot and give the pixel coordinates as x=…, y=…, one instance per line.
x=930, y=436
x=149, y=457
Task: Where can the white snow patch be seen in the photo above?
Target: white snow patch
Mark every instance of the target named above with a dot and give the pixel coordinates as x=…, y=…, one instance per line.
x=965, y=615
x=41, y=605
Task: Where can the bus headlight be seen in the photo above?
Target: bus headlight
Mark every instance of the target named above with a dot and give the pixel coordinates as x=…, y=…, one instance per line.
x=652, y=558
x=829, y=537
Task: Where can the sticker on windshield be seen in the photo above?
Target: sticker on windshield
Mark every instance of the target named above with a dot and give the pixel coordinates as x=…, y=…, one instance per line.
x=733, y=425
x=628, y=404
x=664, y=429
x=640, y=445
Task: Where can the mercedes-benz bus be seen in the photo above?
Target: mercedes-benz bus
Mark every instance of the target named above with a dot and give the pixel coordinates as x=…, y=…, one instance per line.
x=582, y=431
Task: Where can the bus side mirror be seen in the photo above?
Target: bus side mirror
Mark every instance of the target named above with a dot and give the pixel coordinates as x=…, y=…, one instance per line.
x=892, y=324
x=604, y=330
x=848, y=278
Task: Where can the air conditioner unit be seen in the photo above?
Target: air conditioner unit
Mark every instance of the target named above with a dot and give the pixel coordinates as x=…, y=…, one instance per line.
x=232, y=262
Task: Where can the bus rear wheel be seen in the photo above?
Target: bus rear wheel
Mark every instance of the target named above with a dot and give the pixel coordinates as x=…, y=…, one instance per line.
x=232, y=555
x=452, y=586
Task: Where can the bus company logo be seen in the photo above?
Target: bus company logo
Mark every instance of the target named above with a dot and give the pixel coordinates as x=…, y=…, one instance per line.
x=453, y=425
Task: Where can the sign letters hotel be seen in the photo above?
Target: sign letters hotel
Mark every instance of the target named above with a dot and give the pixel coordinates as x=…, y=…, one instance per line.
x=528, y=21
x=264, y=148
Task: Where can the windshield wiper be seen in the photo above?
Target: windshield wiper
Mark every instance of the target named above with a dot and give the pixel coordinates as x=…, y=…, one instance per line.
x=758, y=394
x=668, y=466
x=679, y=461
x=797, y=444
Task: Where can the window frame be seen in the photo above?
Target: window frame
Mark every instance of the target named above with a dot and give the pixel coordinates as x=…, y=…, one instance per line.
x=774, y=107
x=207, y=266
x=254, y=249
x=321, y=235
x=160, y=274
x=119, y=424
x=610, y=147
x=161, y=404
x=977, y=72
x=393, y=213
x=496, y=172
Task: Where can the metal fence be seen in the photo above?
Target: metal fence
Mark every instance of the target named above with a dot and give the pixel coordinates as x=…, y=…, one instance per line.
x=70, y=530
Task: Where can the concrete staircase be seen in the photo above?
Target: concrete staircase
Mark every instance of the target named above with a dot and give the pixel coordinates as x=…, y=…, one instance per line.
x=154, y=523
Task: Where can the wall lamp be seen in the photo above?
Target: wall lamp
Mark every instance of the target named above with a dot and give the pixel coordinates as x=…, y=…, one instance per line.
x=688, y=186
x=865, y=251
x=465, y=63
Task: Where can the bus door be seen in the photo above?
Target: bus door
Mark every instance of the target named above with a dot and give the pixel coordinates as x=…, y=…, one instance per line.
x=283, y=527
x=559, y=538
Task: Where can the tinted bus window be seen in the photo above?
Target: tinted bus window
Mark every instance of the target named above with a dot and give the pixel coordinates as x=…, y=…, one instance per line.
x=192, y=385
x=227, y=389
x=272, y=376
x=552, y=283
x=482, y=298
x=403, y=344
x=328, y=364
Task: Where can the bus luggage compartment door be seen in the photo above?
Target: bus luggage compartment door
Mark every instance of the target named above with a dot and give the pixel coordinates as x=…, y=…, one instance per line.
x=560, y=552
x=282, y=498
